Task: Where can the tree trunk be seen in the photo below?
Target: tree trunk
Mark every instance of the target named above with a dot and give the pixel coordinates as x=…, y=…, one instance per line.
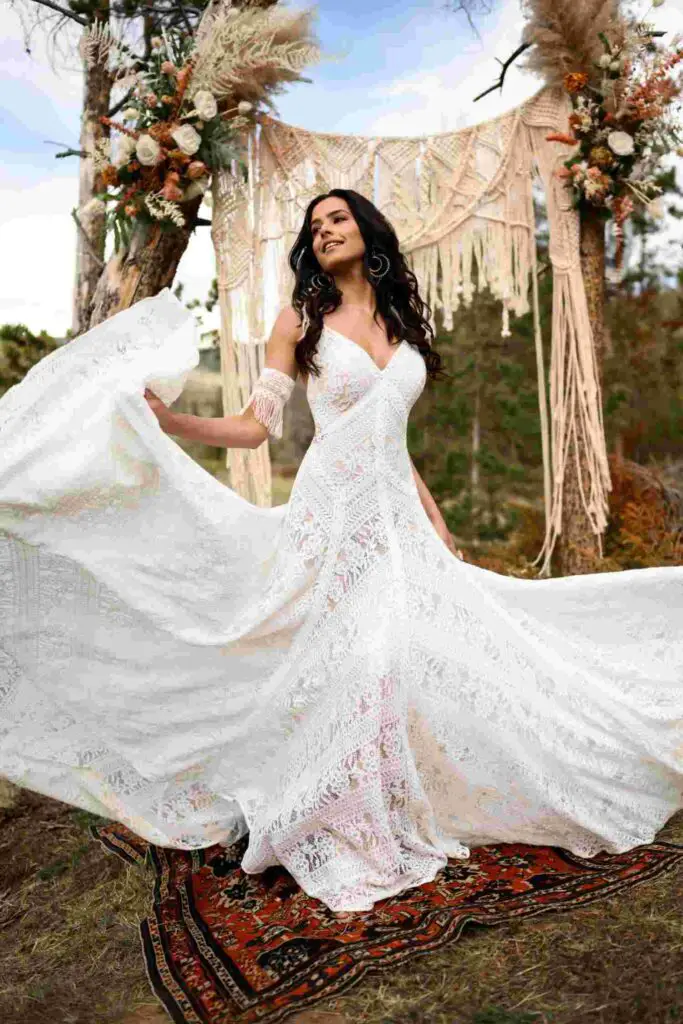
x=577, y=548
x=145, y=268
x=90, y=230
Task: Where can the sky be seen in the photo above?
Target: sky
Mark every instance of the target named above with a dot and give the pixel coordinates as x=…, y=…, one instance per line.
x=389, y=67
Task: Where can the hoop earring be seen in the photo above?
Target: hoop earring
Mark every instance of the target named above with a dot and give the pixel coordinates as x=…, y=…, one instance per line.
x=382, y=270
x=316, y=283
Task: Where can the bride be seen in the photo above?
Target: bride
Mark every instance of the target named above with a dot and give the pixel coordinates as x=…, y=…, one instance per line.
x=328, y=675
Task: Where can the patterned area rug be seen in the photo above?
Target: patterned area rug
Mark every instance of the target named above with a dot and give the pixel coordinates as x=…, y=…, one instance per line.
x=222, y=947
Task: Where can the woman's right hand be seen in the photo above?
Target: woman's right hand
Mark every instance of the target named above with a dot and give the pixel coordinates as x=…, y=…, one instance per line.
x=160, y=410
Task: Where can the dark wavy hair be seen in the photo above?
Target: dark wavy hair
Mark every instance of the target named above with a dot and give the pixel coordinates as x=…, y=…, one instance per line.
x=397, y=297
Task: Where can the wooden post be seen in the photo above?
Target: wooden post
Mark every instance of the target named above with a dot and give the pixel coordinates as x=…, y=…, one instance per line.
x=577, y=549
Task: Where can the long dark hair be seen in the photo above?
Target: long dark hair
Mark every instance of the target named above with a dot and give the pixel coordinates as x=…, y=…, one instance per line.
x=396, y=294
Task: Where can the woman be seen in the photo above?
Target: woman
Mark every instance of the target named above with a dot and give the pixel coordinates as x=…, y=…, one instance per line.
x=327, y=675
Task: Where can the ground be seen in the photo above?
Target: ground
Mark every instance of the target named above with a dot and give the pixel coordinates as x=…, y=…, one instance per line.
x=70, y=951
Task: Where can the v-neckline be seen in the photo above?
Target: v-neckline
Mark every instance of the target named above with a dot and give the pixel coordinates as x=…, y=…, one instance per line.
x=379, y=369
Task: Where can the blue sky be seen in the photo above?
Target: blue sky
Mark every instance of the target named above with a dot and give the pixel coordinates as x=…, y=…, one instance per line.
x=390, y=67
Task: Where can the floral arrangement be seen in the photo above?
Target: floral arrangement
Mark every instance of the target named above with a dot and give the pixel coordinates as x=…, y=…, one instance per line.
x=623, y=123
x=169, y=141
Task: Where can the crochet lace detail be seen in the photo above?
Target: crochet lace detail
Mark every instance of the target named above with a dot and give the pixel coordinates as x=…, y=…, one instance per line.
x=325, y=674
x=269, y=396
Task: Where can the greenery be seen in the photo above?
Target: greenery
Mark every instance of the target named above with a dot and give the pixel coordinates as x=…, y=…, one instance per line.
x=20, y=349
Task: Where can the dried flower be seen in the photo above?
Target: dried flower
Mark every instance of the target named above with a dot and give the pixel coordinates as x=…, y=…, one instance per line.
x=110, y=176
x=196, y=169
x=601, y=156
x=148, y=151
x=131, y=210
x=187, y=139
x=171, y=189
x=604, y=60
x=169, y=68
x=125, y=148
x=151, y=100
x=561, y=137
x=656, y=208
x=205, y=104
x=244, y=107
x=620, y=143
x=575, y=80
x=130, y=114
x=157, y=43
x=164, y=209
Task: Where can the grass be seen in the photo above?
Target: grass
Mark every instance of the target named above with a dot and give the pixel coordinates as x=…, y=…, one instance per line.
x=70, y=950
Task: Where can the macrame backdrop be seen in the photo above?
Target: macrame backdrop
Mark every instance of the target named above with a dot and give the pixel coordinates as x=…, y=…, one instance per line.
x=460, y=202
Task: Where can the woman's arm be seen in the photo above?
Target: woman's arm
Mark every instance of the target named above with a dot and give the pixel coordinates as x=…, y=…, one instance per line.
x=242, y=430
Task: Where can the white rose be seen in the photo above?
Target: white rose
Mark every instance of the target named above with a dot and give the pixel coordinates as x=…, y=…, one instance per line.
x=205, y=104
x=147, y=150
x=243, y=107
x=187, y=138
x=605, y=60
x=620, y=143
x=124, y=150
x=130, y=114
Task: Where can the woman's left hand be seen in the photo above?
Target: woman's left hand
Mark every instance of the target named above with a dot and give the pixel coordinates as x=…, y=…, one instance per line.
x=160, y=410
x=439, y=525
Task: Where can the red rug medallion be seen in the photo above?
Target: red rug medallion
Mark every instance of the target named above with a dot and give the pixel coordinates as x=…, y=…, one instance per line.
x=222, y=947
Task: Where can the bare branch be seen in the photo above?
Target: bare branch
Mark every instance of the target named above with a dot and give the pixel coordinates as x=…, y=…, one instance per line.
x=505, y=65
x=120, y=105
x=88, y=244
x=61, y=10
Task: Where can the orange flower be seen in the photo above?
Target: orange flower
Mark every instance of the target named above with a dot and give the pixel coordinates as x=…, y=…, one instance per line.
x=170, y=189
x=131, y=210
x=574, y=81
x=110, y=176
x=561, y=137
x=197, y=169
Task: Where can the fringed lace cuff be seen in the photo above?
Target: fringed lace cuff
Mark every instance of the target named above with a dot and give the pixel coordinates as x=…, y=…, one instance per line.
x=269, y=397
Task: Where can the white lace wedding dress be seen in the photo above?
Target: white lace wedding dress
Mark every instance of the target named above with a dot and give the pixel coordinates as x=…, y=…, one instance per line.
x=326, y=674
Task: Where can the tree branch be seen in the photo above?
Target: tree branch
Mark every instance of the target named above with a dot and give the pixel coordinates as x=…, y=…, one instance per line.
x=505, y=65
x=120, y=105
x=71, y=152
x=62, y=10
x=86, y=239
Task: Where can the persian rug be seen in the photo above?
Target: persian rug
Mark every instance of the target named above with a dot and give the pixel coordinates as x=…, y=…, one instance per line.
x=223, y=947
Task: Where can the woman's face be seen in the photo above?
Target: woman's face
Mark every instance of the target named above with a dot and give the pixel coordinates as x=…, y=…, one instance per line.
x=332, y=221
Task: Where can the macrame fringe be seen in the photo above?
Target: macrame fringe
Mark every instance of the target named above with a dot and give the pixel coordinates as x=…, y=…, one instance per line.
x=577, y=422
x=462, y=206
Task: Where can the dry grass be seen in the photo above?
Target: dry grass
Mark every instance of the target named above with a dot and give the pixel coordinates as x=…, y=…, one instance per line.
x=70, y=951
x=69, y=913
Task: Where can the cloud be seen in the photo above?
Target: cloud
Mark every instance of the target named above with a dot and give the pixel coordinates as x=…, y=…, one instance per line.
x=37, y=240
